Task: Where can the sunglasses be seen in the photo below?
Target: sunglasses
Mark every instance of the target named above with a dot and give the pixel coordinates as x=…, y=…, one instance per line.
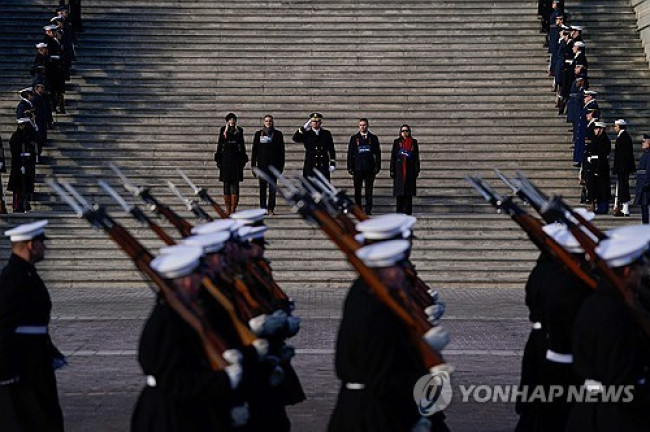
x=405, y=130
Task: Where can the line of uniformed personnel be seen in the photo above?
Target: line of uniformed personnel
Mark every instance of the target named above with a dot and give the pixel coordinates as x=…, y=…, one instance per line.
x=363, y=160
x=34, y=112
x=569, y=67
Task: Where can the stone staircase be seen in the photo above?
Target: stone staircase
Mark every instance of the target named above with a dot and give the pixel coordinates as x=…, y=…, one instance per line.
x=154, y=80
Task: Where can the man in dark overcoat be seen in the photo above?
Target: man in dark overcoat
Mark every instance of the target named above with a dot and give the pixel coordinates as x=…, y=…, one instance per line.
x=43, y=115
x=3, y=169
x=642, y=191
x=622, y=168
x=364, y=162
x=597, y=156
x=23, y=165
x=28, y=358
x=268, y=150
x=405, y=169
x=319, y=147
x=231, y=158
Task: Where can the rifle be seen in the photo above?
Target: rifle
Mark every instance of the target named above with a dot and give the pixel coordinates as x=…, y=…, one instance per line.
x=191, y=205
x=246, y=336
x=532, y=227
x=181, y=224
x=531, y=194
x=309, y=210
x=203, y=194
x=137, y=213
x=190, y=312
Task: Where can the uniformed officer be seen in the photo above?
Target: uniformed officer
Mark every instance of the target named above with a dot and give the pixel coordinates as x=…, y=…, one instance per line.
x=23, y=165
x=28, y=358
x=25, y=107
x=43, y=113
x=3, y=169
x=622, y=168
x=377, y=366
x=182, y=392
x=319, y=147
x=609, y=348
x=364, y=162
x=642, y=192
x=599, y=161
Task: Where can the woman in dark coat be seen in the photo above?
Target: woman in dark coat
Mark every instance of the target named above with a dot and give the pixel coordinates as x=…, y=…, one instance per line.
x=231, y=158
x=268, y=150
x=23, y=165
x=404, y=169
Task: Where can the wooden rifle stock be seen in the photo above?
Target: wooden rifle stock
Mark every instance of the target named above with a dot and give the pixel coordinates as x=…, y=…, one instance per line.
x=203, y=194
x=261, y=271
x=245, y=335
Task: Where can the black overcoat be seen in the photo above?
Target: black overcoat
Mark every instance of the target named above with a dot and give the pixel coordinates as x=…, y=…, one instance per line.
x=642, y=191
x=319, y=151
x=231, y=155
x=25, y=301
x=364, y=157
x=268, y=150
x=404, y=185
x=23, y=154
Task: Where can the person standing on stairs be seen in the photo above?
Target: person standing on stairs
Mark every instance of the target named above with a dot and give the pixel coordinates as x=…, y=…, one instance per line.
x=231, y=158
x=623, y=167
x=642, y=192
x=319, y=147
x=404, y=169
x=364, y=162
x=23, y=165
x=268, y=150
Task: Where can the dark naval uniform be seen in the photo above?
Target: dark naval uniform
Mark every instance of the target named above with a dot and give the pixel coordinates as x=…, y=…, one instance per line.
x=23, y=144
x=183, y=393
x=609, y=349
x=642, y=192
x=623, y=165
x=27, y=382
x=364, y=163
x=377, y=367
x=319, y=151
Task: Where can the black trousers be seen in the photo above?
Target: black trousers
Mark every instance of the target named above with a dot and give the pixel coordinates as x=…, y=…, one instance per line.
x=231, y=188
x=263, y=187
x=404, y=204
x=645, y=214
x=623, y=188
x=359, y=180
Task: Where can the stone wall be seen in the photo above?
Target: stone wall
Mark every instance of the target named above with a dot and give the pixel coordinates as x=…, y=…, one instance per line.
x=642, y=9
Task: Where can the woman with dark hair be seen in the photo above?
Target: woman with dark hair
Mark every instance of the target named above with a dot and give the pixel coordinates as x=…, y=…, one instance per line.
x=231, y=158
x=404, y=169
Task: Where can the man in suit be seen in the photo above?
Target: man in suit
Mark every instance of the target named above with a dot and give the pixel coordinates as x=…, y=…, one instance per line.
x=268, y=150
x=364, y=162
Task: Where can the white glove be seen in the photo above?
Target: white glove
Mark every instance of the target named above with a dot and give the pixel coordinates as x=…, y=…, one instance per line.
x=293, y=325
x=266, y=325
x=262, y=347
x=307, y=125
x=435, y=295
x=22, y=170
x=332, y=168
x=437, y=338
x=257, y=324
x=2, y=165
x=234, y=372
x=232, y=356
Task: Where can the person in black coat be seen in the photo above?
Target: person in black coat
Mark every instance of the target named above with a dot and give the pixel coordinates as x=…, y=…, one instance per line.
x=364, y=162
x=404, y=169
x=377, y=365
x=183, y=392
x=622, y=168
x=597, y=169
x=319, y=147
x=23, y=165
x=28, y=358
x=231, y=158
x=3, y=169
x=642, y=191
x=268, y=150
x=43, y=115
x=610, y=348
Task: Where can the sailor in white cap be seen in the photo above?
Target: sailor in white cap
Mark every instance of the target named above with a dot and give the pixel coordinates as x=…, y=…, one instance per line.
x=609, y=347
x=250, y=217
x=28, y=392
x=319, y=147
x=642, y=192
x=23, y=145
x=622, y=168
x=182, y=391
x=377, y=365
x=597, y=169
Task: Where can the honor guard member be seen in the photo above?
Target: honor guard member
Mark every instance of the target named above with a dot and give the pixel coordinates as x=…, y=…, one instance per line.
x=268, y=150
x=182, y=392
x=23, y=165
x=364, y=162
x=609, y=347
x=599, y=161
x=28, y=358
x=25, y=107
x=43, y=116
x=377, y=366
x=405, y=169
x=231, y=158
x=642, y=191
x=622, y=168
x=3, y=169
x=319, y=147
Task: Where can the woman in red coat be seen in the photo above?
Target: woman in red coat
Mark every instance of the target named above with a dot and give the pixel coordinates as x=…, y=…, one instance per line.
x=404, y=169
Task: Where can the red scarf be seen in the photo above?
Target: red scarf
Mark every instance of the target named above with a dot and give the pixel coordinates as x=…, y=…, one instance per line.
x=406, y=144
